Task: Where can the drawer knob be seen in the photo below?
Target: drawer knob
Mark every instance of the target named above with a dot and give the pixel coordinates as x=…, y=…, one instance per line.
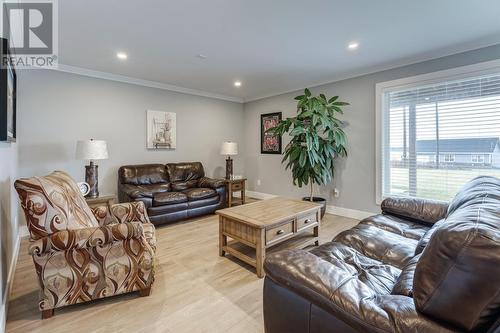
x=279, y=232
x=306, y=221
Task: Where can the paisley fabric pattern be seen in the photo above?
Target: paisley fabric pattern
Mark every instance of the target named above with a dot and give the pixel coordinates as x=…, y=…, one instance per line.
x=130, y=211
x=53, y=203
x=86, y=237
x=82, y=254
x=103, y=215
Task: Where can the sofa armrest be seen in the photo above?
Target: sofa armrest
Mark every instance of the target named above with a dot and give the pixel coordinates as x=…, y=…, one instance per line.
x=210, y=182
x=134, y=211
x=86, y=238
x=337, y=289
x=420, y=210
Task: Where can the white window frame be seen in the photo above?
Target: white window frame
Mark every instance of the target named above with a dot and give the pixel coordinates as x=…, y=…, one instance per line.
x=483, y=68
x=479, y=158
x=448, y=158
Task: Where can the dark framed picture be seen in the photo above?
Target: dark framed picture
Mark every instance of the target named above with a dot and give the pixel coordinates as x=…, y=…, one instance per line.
x=269, y=144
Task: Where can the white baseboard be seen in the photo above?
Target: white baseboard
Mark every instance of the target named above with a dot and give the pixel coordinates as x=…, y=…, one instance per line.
x=347, y=212
x=22, y=232
x=341, y=211
x=259, y=195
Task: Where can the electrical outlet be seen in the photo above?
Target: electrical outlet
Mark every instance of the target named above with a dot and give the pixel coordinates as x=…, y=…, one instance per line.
x=258, y=182
x=336, y=193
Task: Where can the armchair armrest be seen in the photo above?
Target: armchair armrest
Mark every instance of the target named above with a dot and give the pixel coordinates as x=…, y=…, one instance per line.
x=134, y=211
x=86, y=238
x=103, y=215
x=421, y=210
x=210, y=182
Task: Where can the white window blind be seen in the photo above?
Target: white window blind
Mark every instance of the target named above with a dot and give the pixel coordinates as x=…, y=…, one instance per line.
x=437, y=137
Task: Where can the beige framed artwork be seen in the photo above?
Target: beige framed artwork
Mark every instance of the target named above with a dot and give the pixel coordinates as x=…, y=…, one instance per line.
x=161, y=129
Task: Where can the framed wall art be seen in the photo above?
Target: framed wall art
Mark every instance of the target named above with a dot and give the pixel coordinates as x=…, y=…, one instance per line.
x=161, y=130
x=269, y=144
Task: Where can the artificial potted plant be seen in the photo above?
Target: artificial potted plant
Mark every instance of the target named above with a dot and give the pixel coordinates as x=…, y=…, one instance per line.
x=317, y=140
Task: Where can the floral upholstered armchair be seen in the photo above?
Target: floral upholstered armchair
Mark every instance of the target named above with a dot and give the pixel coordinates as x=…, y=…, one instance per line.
x=82, y=254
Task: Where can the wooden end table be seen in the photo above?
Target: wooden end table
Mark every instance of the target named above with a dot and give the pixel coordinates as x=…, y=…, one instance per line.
x=102, y=200
x=235, y=185
x=272, y=224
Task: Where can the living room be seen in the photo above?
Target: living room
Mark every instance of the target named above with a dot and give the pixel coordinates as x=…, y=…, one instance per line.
x=203, y=166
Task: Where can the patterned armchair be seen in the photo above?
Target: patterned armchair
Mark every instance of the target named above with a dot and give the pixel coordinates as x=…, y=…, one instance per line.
x=82, y=254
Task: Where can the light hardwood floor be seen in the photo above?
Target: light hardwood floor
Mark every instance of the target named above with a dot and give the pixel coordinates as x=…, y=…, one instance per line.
x=195, y=290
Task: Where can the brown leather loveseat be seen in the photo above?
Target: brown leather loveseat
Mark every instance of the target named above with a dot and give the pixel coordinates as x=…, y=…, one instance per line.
x=171, y=192
x=420, y=266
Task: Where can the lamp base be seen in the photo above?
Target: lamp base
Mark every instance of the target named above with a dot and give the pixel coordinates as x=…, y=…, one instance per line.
x=91, y=179
x=229, y=168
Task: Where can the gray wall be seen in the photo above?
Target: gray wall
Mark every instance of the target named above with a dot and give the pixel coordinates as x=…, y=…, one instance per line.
x=355, y=176
x=56, y=109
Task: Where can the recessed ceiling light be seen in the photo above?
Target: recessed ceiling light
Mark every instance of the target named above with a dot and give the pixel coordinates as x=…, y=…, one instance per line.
x=237, y=83
x=121, y=55
x=201, y=56
x=353, y=46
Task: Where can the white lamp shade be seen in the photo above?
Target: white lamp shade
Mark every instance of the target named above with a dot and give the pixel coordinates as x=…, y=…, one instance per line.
x=229, y=148
x=91, y=150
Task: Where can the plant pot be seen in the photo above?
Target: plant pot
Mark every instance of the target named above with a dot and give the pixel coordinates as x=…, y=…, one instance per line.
x=320, y=201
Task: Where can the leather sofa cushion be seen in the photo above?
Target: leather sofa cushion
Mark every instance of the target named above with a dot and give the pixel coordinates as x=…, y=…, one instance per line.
x=143, y=174
x=456, y=279
x=338, y=288
x=144, y=191
x=181, y=172
x=379, y=244
x=376, y=275
x=205, y=202
x=404, y=283
x=181, y=186
x=168, y=198
x=199, y=193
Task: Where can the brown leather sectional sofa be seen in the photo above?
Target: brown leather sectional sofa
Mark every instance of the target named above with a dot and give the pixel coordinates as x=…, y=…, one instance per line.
x=171, y=192
x=420, y=266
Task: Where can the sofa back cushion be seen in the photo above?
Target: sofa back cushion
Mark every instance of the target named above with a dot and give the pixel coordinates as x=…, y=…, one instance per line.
x=143, y=174
x=456, y=279
x=185, y=175
x=53, y=203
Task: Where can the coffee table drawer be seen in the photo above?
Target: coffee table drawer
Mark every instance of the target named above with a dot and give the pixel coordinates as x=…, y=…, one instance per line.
x=277, y=233
x=306, y=221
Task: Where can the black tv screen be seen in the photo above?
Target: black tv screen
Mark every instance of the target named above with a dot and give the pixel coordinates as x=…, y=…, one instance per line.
x=8, y=86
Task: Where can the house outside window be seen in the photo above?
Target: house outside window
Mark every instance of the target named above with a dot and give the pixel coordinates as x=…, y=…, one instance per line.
x=477, y=158
x=449, y=158
x=437, y=131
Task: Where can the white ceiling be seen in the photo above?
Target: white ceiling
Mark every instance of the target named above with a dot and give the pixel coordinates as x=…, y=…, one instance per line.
x=272, y=46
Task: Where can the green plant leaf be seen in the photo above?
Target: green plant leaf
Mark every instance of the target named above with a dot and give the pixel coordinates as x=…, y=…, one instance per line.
x=333, y=99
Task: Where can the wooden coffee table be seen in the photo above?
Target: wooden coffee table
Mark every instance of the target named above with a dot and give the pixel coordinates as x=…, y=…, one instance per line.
x=272, y=224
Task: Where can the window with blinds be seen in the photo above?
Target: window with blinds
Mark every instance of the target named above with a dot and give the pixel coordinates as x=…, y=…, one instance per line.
x=437, y=137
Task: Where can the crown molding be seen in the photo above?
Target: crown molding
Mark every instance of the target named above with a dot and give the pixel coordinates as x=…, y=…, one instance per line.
x=428, y=56
x=141, y=82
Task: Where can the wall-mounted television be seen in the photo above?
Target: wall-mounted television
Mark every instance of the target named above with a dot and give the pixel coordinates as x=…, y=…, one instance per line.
x=8, y=90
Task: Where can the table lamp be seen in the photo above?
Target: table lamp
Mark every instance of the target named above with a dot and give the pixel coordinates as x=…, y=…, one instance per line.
x=229, y=148
x=91, y=150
